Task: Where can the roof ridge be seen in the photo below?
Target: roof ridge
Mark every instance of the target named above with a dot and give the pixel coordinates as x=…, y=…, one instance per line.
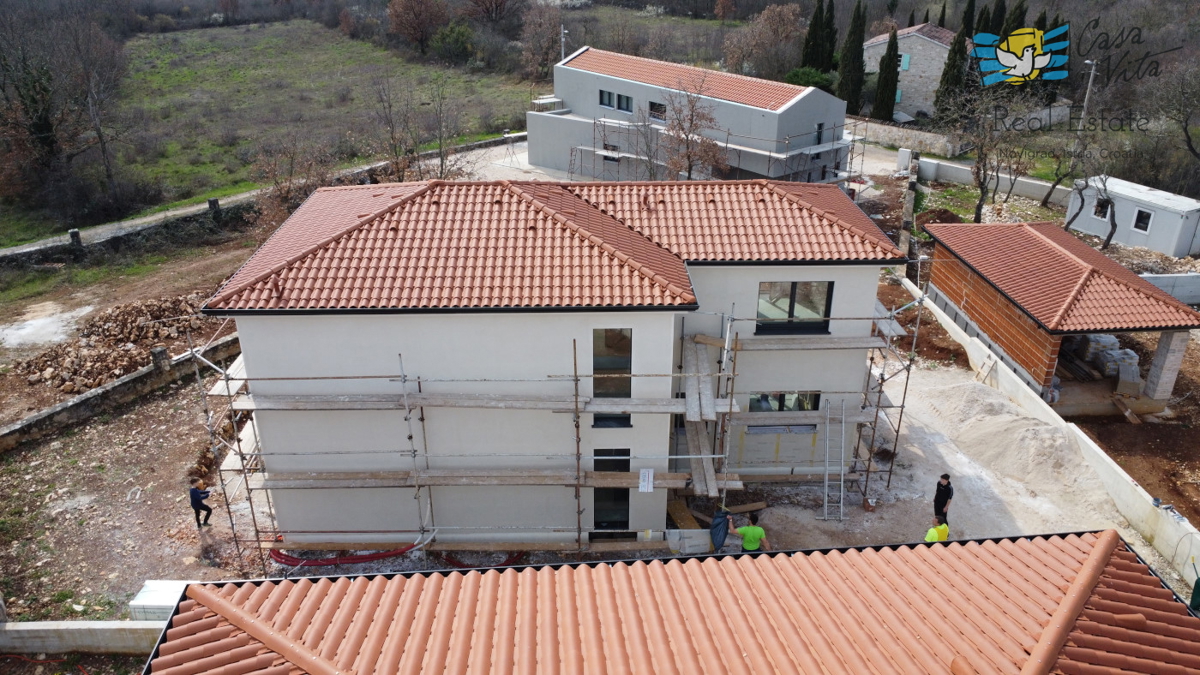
x=225, y=294
x=1055, y=244
x=778, y=189
x=295, y=652
x=1071, y=299
x=623, y=257
x=800, y=88
x=1044, y=654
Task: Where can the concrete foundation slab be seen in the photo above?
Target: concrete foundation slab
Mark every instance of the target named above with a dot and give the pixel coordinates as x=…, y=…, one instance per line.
x=88, y=637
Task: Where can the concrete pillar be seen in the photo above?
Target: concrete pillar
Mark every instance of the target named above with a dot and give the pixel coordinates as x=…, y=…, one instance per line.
x=1165, y=366
x=160, y=358
x=76, y=238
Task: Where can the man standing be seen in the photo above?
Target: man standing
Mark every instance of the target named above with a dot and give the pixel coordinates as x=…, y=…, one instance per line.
x=754, y=538
x=940, y=531
x=198, y=495
x=942, y=498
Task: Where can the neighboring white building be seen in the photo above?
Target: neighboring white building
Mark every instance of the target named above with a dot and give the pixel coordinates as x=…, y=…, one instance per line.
x=473, y=305
x=1154, y=219
x=609, y=112
x=923, y=51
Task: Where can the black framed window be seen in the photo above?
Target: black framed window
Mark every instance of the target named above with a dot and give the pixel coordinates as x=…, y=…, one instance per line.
x=610, y=506
x=1141, y=222
x=624, y=103
x=1100, y=210
x=784, y=401
x=790, y=307
x=612, y=363
x=606, y=98
x=658, y=111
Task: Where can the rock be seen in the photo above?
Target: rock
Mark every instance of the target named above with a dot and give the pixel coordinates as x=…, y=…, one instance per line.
x=33, y=379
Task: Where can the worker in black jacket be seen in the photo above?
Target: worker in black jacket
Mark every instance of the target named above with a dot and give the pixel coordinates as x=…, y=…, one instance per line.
x=942, y=498
x=198, y=495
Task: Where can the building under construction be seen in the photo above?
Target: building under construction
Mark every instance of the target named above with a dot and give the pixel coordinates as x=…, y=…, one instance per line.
x=521, y=366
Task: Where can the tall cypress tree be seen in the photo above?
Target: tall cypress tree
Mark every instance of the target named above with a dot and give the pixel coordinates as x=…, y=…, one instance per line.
x=889, y=74
x=997, y=25
x=942, y=16
x=1041, y=21
x=968, y=19
x=985, y=17
x=829, y=40
x=850, y=64
x=954, y=74
x=912, y=18
x=926, y=19
x=1015, y=18
x=811, y=56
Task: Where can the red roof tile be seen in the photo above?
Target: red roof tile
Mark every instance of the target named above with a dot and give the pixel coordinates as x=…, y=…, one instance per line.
x=982, y=607
x=932, y=31
x=1064, y=284
x=540, y=244
x=751, y=91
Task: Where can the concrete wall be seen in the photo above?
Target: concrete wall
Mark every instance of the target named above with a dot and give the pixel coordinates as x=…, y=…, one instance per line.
x=87, y=637
x=448, y=346
x=1171, y=232
x=1184, y=287
x=1030, y=188
x=919, y=83
x=111, y=395
x=749, y=132
x=733, y=290
x=1171, y=535
x=898, y=136
x=1035, y=350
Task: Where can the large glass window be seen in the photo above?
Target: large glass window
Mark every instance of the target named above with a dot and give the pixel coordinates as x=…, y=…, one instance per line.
x=606, y=98
x=611, y=505
x=784, y=401
x=612, y=364
x=794, y=306
x=624, y=103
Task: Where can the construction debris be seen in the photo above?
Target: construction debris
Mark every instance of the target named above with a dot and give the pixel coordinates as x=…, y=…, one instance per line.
x=115, y=342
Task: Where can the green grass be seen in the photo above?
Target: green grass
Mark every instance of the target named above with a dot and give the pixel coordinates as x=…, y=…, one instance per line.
x=21, y=285
x=21, y=226
x=205, y=99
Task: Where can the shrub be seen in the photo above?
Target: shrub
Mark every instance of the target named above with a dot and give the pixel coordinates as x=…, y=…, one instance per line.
x=454, y=43
x=809, y=77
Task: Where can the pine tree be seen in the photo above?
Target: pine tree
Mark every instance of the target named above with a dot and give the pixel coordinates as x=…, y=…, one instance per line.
x=942, y=16
x=811, y=56
x=891, y=6
x=1015, y=18
x=997, y=25
x=926, y=19
x=889, y=74
x=954, y=74
x=851, y=69
x=829, y=40
x=968, y=19
x=912, y=18
x=1040, y=22
x=985, y=17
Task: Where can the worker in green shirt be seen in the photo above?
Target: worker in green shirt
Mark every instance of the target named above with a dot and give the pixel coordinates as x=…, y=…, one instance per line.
x=754, y=538
x=939, y=532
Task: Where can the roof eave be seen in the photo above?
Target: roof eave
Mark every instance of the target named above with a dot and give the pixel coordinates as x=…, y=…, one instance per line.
x=322, y=311
x=876, y=262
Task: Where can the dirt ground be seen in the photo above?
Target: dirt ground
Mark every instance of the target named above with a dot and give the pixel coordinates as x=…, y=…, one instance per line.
x=70, y=664
x=934, y=344
x=886, y=208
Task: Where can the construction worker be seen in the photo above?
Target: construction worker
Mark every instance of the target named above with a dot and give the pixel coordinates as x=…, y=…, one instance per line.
x=754, y=538
x=942, y=498
x=198, y=493
x=939, y=532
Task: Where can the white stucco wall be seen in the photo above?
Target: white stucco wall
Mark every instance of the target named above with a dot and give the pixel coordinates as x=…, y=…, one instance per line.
x=1171, y=232
x=447, y=346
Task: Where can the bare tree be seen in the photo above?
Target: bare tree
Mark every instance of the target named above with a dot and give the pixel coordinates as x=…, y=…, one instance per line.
x=229, y=10
x=503, y=16
x=974, y=122
x=540, y=47
x=418, y=20
x=689, y=117
x=409, y=121
x=1176, y=97
x=291, y=167
x=770, y=45
x=100, y=64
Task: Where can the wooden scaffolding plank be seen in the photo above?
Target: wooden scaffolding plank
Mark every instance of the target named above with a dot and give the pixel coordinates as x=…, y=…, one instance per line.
x=453, y=477
x=708, y=408
x=678, y=510
x=558, y=404
x=724, y=481
x=797, y=417
x=1124, y=408
x=695, y=448
x=795, y=342
x=747, y=508
x=691, y=384
x=698, y=431
x=887, y=325
x=597, y=546
x=237, y=378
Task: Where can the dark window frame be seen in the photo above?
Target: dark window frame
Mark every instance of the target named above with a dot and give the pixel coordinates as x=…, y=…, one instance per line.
x=609, y=420
x=611, y=460
x=1149, y=220
x=657, y=111
x=624, y=103
x=791, y=325
x=609, y=96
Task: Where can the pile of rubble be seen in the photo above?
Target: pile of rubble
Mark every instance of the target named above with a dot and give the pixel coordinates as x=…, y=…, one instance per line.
x=116, y=342
x=1145, y=261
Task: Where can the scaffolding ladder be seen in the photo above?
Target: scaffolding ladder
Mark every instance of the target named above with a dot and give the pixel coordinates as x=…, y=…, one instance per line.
x=834, y=491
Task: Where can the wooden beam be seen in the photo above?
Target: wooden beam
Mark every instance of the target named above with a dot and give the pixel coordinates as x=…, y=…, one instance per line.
x=507, y=546
x=795, y=342
x=556, y=404
x=797, y=417
x=707, y=520
x=708, y=408
x=747, y=508
x=885, y=324
x=691, y=384
x=467, y=477
x=792, y=478
x=237, y=378
x=703, y=474
x=678, y=510
x=1124, y=408
x=727, y=481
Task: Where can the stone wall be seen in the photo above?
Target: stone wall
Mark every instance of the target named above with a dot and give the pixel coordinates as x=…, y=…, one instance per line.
x=1029, y=188
x=919, y=83
x=899, y=136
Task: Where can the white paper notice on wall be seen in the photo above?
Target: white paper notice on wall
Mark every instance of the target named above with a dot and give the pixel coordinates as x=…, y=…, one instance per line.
x=646, y=480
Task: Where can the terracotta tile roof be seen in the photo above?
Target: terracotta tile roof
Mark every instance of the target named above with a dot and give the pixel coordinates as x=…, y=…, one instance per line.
x=462, y=245
x=751, y=91
x=982, y=607
x=1064, y=284
x=932, y=31
x=745, y=220
x=539, y=244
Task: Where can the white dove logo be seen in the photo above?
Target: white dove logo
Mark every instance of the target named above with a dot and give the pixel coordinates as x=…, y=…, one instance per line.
x=1021, y=53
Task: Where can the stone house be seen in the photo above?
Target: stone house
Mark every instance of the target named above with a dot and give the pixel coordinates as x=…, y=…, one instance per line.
x=923, y=51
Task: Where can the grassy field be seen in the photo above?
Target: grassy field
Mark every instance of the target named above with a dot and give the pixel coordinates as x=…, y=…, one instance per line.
x=961, y=200
x=204, y=99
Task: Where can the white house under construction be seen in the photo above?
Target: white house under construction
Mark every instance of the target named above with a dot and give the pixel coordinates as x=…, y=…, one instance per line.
x=503, y=362
x=609, y=119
